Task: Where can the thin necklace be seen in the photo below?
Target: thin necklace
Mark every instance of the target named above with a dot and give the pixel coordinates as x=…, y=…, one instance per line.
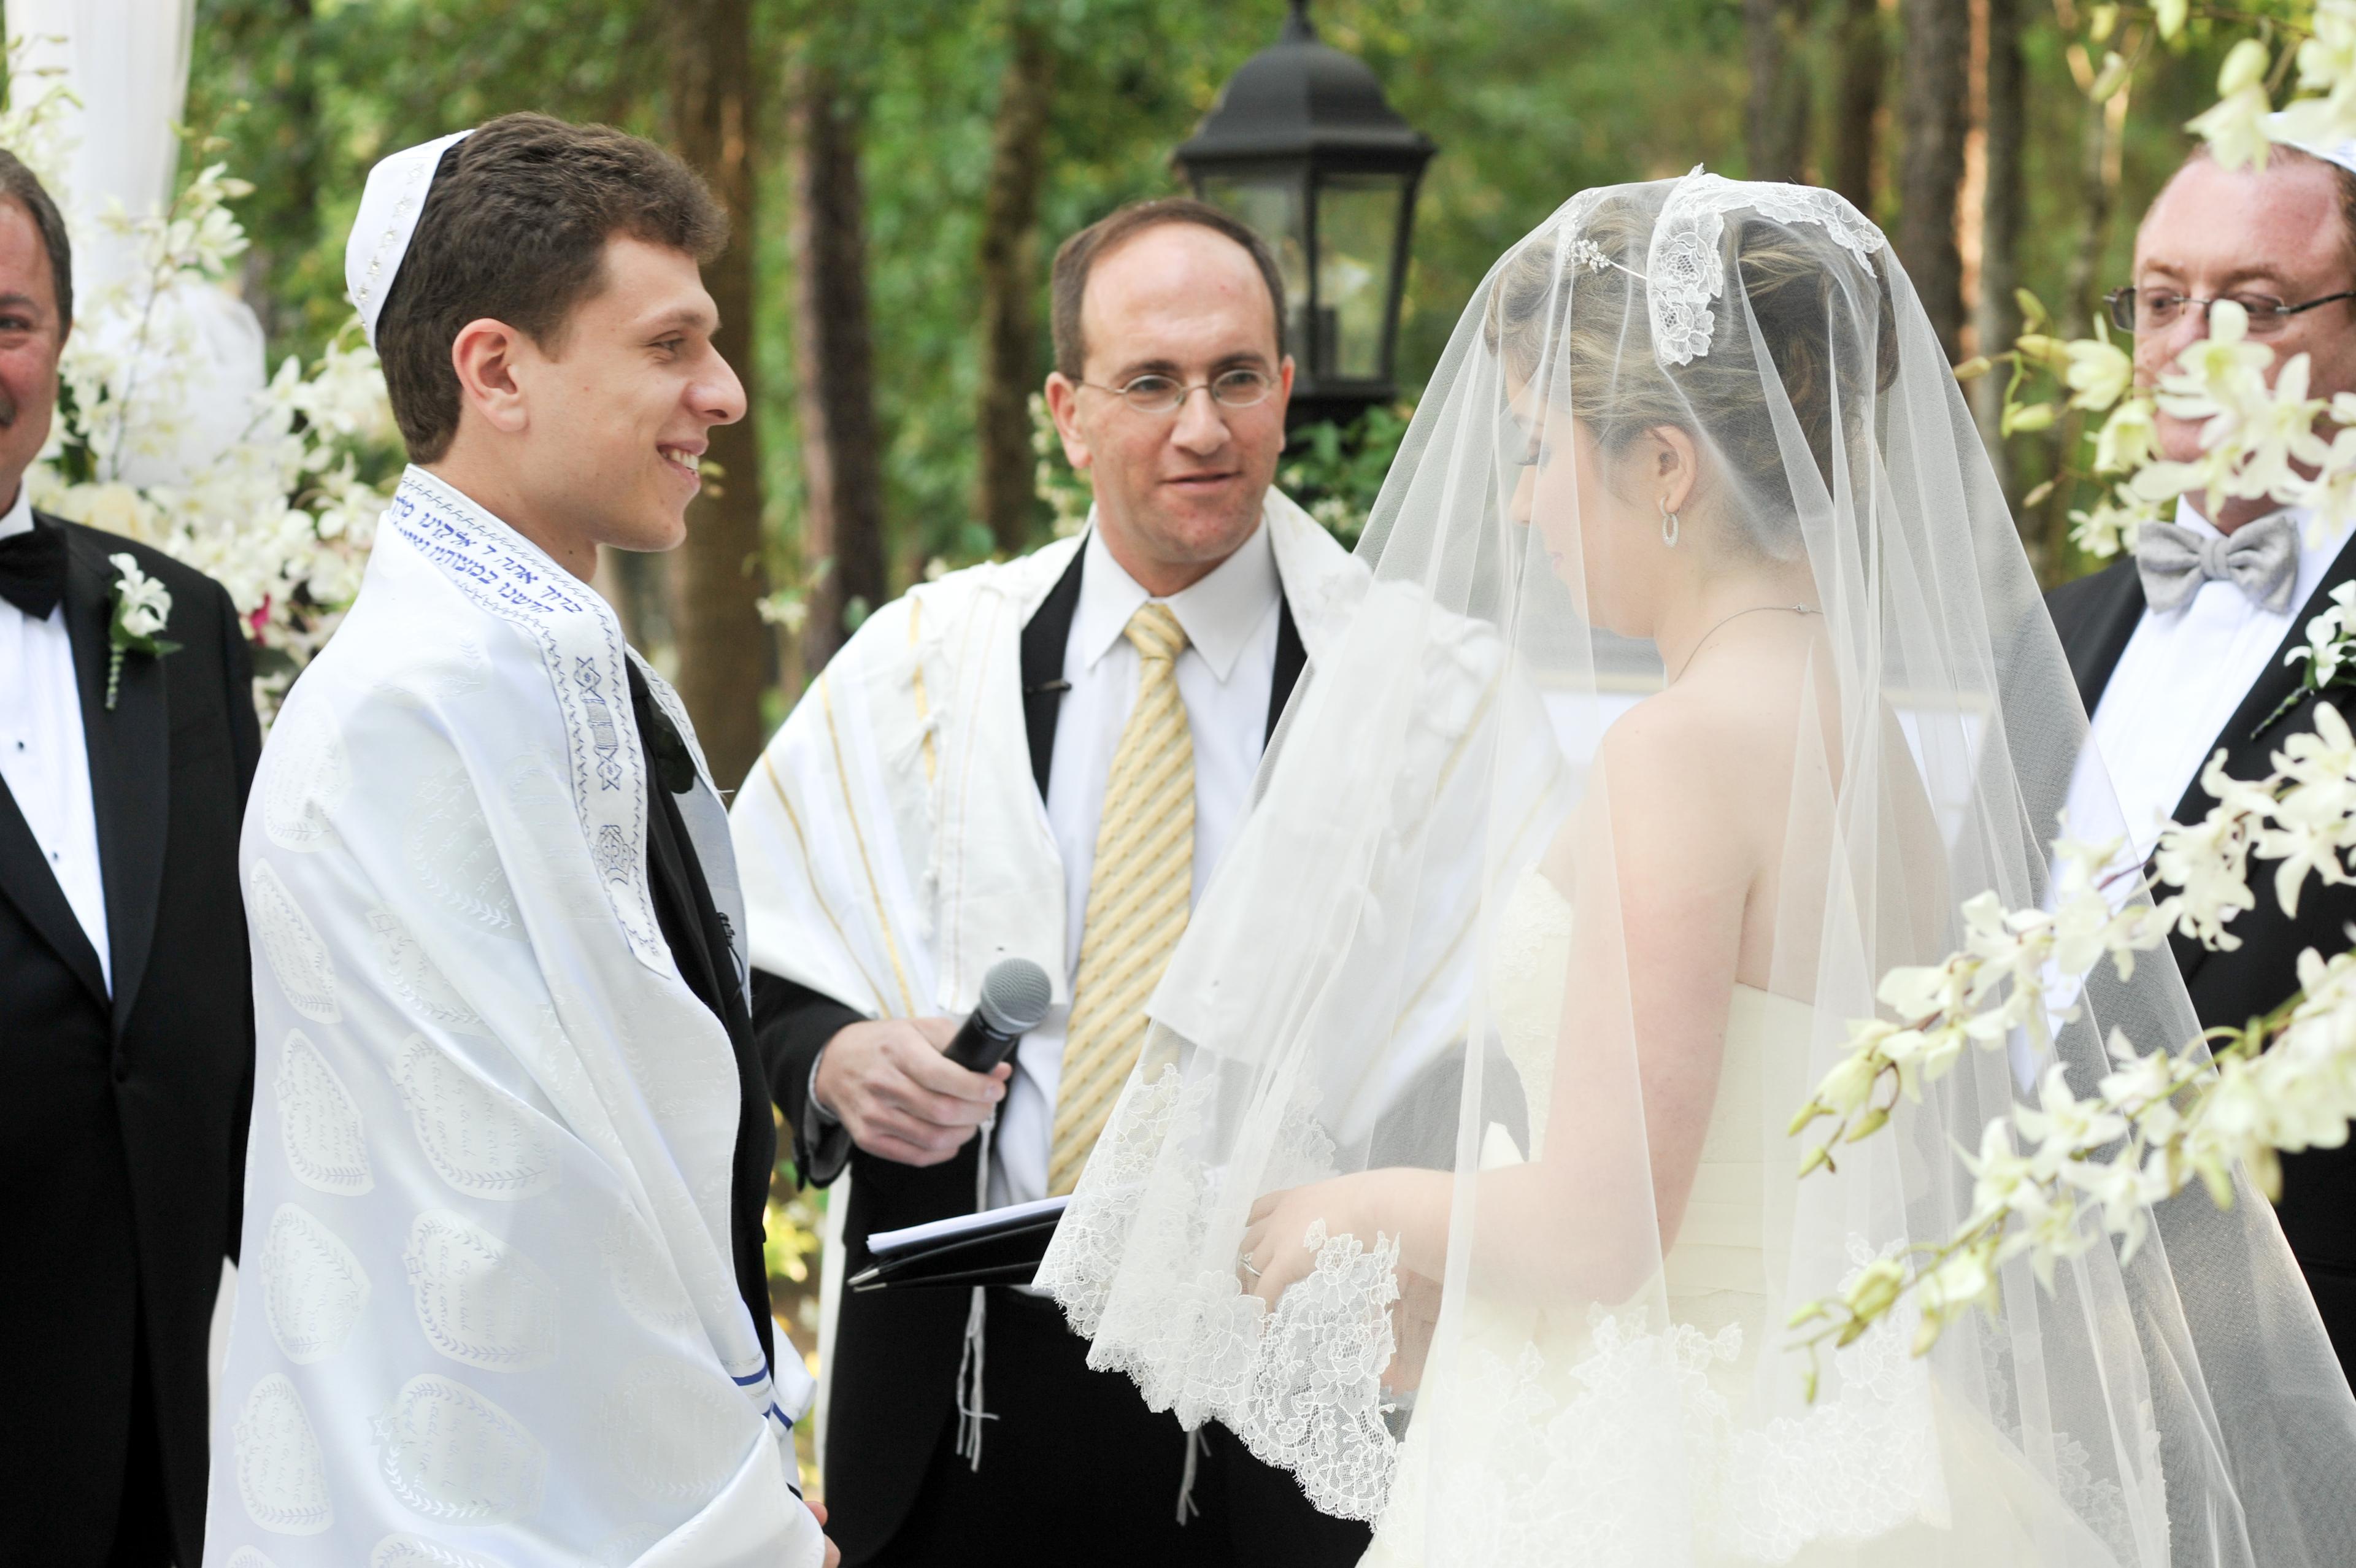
x=1706, y=637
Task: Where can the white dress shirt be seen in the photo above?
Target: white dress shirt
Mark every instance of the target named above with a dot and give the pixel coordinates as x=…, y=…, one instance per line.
x=2182, y=675
x=44, y=759
x=1225, y=676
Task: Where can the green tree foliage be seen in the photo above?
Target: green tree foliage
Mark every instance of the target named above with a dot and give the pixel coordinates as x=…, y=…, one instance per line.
x=1529, y=101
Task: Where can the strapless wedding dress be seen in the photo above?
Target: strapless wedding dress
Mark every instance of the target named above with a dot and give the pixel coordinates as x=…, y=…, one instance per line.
x=1622, y=1439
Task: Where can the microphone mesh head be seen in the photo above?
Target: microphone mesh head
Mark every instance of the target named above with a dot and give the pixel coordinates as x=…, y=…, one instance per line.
x=1015, y=996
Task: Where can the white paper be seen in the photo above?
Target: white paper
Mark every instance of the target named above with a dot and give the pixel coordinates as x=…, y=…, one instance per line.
x=885, y=1243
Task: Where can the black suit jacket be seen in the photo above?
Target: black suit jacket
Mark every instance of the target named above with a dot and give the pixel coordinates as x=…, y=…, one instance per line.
x=894, y=1357
x=123, y=1117
x=2095, y=616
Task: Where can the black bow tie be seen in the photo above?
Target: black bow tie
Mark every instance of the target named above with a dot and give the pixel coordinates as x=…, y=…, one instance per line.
x=33, y=570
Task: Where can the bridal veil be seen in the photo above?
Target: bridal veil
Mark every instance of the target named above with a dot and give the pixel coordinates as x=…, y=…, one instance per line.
x=1699, y=677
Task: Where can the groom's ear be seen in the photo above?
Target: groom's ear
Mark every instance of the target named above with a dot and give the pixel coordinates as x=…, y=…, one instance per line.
x=483, y=356
x=1063, y=404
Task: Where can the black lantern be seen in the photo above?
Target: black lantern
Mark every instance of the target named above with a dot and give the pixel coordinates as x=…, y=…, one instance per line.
x=1303, y=146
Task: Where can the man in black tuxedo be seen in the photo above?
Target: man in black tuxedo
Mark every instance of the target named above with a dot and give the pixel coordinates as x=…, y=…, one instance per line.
x=125, y=1004
x=2178, y=652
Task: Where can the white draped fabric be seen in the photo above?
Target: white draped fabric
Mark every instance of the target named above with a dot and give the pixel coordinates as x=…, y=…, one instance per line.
x=489, y=1315
x=892, y=840
x=125, y=64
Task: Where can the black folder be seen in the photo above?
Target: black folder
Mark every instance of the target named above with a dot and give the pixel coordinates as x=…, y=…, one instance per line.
x=997, y=1246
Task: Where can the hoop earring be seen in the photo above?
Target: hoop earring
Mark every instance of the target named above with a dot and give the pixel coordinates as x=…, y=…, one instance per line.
x=1669, y=526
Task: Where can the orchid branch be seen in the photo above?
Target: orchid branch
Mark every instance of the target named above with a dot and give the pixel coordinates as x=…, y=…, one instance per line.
x=2054, y=1178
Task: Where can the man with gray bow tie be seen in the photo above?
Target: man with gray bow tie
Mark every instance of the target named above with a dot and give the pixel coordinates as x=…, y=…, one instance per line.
x=2180, y=651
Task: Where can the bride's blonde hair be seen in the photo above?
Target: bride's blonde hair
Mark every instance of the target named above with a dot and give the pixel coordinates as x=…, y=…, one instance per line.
x=1583, y=332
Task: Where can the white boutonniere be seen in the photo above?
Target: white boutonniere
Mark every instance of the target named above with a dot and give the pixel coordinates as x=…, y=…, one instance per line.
x=2328, y=653
x=142, y=608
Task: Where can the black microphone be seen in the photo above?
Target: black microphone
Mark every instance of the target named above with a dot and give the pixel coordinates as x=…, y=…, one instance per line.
x=1015, y=996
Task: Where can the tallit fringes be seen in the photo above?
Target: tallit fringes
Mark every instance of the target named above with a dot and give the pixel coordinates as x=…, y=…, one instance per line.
x=971, y=1413
x=1187, y=1507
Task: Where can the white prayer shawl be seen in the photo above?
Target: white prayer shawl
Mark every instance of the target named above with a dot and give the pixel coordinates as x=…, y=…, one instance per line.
x=892, y=840
x=489, y=1313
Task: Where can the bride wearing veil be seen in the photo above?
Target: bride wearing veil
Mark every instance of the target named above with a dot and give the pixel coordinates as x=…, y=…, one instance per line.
x=1699, y=676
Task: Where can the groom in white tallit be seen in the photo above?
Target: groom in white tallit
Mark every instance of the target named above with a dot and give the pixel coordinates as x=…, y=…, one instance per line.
x=511, y=1145
x=1042, y=759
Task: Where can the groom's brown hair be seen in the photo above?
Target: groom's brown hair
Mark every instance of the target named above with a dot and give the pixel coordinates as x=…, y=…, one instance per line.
x=514, y=229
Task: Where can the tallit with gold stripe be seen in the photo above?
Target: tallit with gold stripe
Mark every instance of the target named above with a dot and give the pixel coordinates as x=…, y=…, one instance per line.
x=892, y=840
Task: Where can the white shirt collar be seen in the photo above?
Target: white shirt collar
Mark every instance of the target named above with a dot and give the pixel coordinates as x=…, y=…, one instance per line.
x=1219, y=613
x=18, y=518
x=2186, y=518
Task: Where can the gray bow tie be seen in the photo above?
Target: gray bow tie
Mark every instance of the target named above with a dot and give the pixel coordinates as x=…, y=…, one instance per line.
x=2261, y=559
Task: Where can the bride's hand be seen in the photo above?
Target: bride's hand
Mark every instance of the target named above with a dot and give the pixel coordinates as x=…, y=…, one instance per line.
x=1275, y=1252
x=1366, y=1204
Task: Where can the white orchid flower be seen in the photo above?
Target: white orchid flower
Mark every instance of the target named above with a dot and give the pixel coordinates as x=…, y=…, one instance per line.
x=146, y=604
x=2129, y=438
x=2099, y=374
x=2114, y=524
x=2063, y=1126
x=2235, y=127
x=2276, y=433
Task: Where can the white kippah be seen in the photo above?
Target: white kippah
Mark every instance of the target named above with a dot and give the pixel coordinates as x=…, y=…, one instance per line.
x=2283, y=126
x=390, y=203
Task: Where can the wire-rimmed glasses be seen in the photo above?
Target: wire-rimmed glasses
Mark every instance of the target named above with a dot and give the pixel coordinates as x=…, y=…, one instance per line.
x=1241, y=387
x=2157, y=310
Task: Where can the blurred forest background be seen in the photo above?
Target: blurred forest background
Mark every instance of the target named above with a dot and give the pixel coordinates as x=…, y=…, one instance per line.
x=899, y=175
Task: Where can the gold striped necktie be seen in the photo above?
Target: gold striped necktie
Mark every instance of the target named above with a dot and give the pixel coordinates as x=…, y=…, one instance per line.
x=1138, y=892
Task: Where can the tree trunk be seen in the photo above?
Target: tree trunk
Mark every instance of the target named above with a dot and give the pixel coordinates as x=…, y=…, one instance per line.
x=1936, y=113
x=2099, y=152
x=1007, y=497
x=715, y=576
x=1859, y=103
x=2003, y=207
x=1777, y=114
x=274, y=38
x=2098, y=179
x=834, y=352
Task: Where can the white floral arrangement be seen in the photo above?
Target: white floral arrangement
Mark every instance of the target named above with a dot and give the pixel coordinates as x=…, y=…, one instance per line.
x=2257, y=438
x=2257, y=442
x=2284, y=1081
x=2160, y=1120
x=282, y=517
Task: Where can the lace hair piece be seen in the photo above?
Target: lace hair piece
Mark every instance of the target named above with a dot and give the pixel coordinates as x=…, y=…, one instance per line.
x=1687, y=271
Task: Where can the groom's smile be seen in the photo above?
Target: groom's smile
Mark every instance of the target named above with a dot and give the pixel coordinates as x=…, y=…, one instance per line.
x=683, y=457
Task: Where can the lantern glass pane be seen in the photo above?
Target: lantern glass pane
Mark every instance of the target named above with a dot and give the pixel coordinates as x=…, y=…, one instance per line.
x=1358, y=236
x=1272, y=207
